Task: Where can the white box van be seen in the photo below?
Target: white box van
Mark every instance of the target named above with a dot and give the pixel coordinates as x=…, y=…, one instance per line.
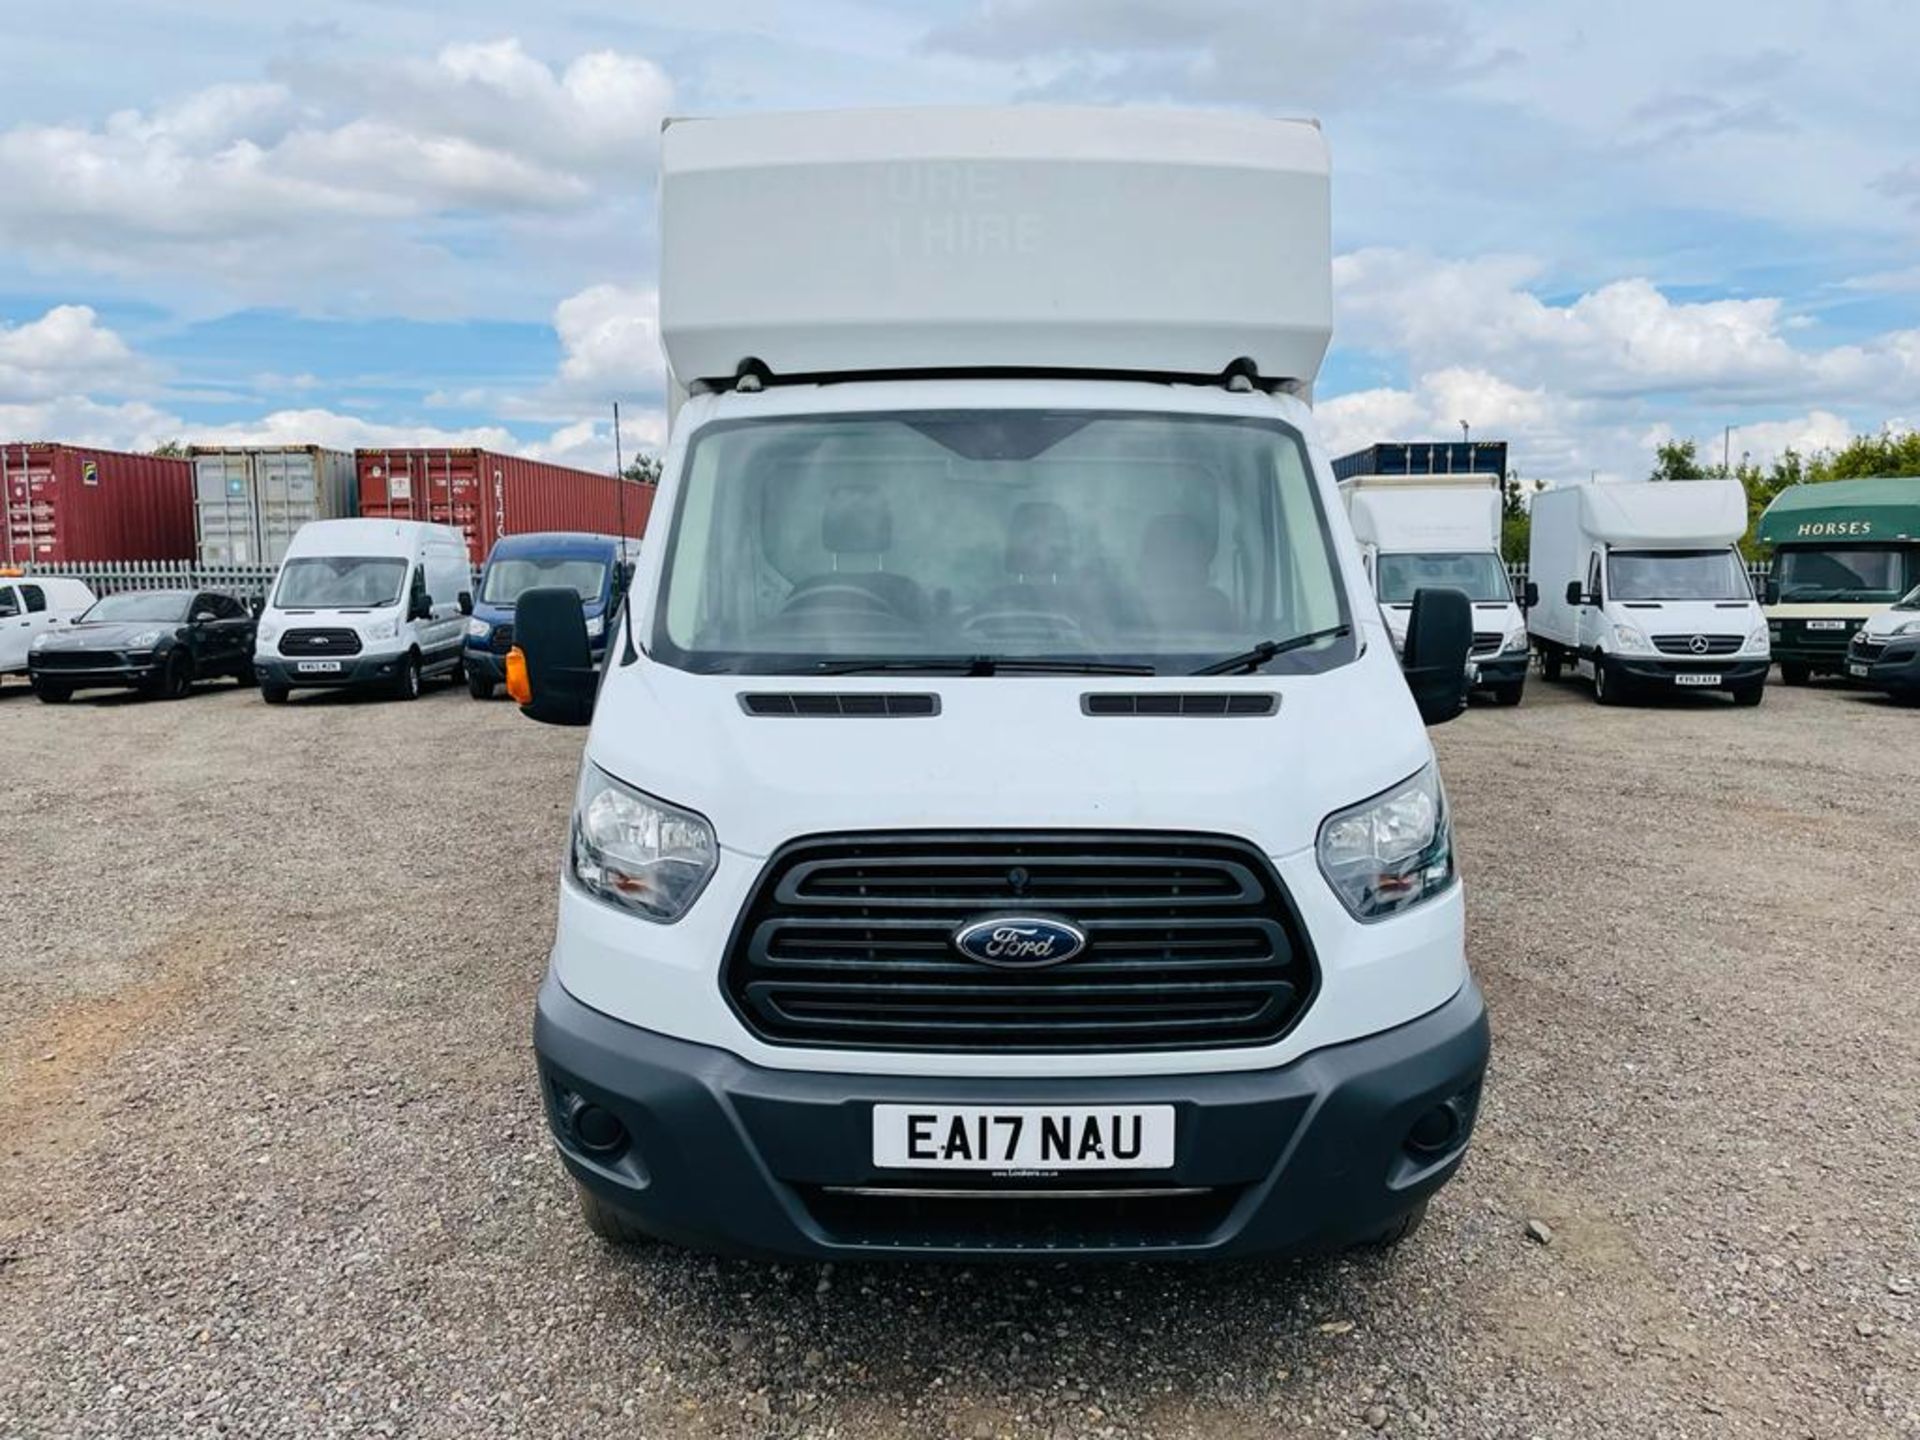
x=1642, y=588
x=1004, y=825
x=1419, y=532
x=379, y=603
x=30, y=606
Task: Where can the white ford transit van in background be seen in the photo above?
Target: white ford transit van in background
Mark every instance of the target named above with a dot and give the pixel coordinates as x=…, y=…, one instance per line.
x=1004, y=826
x=1420, y=532
x=379, y=603
x=1642, y=588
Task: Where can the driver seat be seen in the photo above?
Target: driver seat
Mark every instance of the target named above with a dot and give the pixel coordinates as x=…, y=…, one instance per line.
x=858, y=523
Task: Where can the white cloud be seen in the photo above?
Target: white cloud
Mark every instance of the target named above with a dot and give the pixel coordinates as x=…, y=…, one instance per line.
x=64, y=351
x=610, y=339
x=1308, y=52
x=367, y=176
x=1624, y=338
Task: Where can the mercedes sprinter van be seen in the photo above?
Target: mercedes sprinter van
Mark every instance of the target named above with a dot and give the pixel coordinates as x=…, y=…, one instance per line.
x=1641, y=587
x=1420, y=532
x=1004, y=828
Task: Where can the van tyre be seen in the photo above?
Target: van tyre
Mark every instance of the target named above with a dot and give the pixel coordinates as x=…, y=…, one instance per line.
x=1606, y=685
x=406, y=685
x=612, y=1225
x=1401, y=1229
x=1509, y=694
x=273, y=694
x=478, y=686
x=1793, y=674
x=1749, y=695
x=1550, y=662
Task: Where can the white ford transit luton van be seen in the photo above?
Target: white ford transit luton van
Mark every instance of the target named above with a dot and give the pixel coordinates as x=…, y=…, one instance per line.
x=1641, y=587
x=1004, y=826
x=369, y=603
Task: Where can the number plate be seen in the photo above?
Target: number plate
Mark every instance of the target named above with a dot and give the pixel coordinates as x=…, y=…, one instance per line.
x=1696, y=677
x=1022, y=1137
x=318, y=667
x=1857, y=670
x=1826, y=624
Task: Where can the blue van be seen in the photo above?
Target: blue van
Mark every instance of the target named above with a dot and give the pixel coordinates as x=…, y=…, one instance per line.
x=598, y=566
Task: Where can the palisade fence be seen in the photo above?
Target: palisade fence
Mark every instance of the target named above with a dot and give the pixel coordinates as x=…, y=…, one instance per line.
x=109, y=578
x=113, y=577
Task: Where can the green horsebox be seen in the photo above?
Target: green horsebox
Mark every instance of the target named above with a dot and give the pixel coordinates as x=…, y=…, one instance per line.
x=1842, y=550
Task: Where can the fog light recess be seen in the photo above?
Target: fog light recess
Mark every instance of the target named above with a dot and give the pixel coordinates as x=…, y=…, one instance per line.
x=596, y=1130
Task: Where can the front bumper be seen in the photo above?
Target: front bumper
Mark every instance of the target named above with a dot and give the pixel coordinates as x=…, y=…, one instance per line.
x=354, y=670
x=734, y=1157
x=99, y=671
x=1895, y=668
x=1646, y=670
x=484, y=664
x=1496, y=672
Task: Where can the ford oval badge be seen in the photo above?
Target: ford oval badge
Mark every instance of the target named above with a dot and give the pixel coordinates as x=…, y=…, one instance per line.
x=1019, y=941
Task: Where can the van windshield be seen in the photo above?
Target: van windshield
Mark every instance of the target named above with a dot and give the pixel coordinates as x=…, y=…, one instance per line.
x=1842, y=573
x=1482, y=577
x=508, y=579
x=948, y=538
x=1676, y=575
x=341, y=582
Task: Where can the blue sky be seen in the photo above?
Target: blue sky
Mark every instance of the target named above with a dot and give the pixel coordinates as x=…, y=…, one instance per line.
x=1583, y=228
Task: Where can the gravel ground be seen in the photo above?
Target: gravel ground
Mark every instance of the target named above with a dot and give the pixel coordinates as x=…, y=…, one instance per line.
x=271, y=1160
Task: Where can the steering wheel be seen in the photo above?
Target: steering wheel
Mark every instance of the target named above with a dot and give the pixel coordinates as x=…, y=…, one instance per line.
x=834, y=595
x=1004, y=624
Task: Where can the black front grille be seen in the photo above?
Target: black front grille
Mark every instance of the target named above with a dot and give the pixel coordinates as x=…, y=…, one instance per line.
x=77, y=660
x=847, y=943
x=1487, y=642
x=501, y=640
x=1683, y=644
x=959, y=1219
x=1866, y=648
x=320, y=642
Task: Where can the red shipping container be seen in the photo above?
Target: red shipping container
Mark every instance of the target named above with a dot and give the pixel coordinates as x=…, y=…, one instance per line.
x=68, y=504
x=488, y=495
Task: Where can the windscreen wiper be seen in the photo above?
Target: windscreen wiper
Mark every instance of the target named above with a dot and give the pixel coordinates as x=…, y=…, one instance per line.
x=1248, y=661
x=979, y=665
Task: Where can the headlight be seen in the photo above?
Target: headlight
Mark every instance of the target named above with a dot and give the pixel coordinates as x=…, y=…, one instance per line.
x=266, y=632
x=636, y=852
x=478, y=629
x=1627, y=637
x=1906, y=627
x=1758, y=640
x=144, y=639
x=383, y=629
x=1516, y=639
x=1390, y=853
x=596, y=626
x=40, y=641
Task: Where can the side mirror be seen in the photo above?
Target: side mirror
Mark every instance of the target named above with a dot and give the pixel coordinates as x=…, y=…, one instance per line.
x=257, y=606
x=1575, y=595
x=466, y=602
x=1434, y=659
x=555, y=679
x=1772, y=591
x=420, y=608
x=1530, y=597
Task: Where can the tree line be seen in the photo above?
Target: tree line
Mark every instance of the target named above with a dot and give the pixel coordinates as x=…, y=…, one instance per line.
x=1867, y=457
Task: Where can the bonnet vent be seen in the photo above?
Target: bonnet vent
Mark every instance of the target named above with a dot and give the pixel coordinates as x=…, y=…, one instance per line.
x=1165, y=703
x=826, y=704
